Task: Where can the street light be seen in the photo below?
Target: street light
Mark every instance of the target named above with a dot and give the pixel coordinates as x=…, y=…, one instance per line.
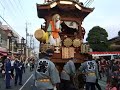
x=22, y=45
x=9, y=38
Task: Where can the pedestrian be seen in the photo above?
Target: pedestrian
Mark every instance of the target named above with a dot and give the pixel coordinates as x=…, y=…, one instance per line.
x=89, y=67
x=22, y=59
x=31, y=64
x=1, y=66
x=46, y=76
x=7, y=72
x=67, y=75
x=12, y=67
x=18, y=65
x=96, y=83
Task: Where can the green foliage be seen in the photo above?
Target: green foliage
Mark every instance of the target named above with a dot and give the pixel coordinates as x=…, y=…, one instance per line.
x=97, y=39
x=119, y=33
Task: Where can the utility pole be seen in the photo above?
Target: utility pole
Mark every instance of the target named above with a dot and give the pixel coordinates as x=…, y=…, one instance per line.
x=27, y=34
x=33, y=46
x=31, y=37
x=31, y=40
x=26, y=29
x=26, y=53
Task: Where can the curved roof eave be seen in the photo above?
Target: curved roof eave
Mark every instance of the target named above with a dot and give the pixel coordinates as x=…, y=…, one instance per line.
x=55, y=3
x=42, y=9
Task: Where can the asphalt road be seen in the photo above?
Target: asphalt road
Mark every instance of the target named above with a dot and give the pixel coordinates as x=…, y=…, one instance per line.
x=102, y=83
x=28, y=82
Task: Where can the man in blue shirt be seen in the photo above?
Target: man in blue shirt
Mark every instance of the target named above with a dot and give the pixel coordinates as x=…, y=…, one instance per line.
x=7, y=72
x=18, y=65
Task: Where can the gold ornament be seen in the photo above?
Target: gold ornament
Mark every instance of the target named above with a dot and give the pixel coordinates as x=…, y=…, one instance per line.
x=67, y=42
x=76, y=42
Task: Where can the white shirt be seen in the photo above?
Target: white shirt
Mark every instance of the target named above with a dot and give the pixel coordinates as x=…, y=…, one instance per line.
x=12, y=63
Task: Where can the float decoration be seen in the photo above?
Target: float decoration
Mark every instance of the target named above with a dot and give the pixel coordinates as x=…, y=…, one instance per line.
x=76, y=42
x=54, y=29
x=67, y=42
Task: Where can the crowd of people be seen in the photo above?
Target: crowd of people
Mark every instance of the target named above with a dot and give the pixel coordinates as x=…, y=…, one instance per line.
x=92, y=68
x=13, y=67
x=47, y=77
x=111, y=70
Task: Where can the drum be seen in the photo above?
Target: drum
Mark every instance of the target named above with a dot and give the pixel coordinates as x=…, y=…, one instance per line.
x=39, y=34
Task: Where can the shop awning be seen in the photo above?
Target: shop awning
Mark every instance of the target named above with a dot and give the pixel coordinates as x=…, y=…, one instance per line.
x=3, y=51
x=104, y=53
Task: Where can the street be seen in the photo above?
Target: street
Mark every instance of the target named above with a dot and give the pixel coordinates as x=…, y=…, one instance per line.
x=103, y=83
x=28, y=82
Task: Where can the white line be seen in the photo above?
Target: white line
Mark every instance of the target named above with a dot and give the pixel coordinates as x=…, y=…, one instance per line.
x=26, y=82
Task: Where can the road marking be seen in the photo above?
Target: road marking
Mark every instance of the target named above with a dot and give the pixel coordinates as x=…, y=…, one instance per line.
x=26, y=82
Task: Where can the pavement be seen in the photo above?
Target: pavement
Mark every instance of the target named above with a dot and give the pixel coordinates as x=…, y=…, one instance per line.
x=102, y=83
x=28, y=82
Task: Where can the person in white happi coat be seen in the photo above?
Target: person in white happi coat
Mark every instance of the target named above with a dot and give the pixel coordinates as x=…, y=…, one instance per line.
x=67, y=75
x=46, y=75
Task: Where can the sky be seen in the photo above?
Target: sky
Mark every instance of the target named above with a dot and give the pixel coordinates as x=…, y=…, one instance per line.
x=18, y=12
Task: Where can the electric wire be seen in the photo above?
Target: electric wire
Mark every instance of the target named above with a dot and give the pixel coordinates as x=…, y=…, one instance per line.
x=11, y=5
x=9, y=8
x=2, y=5
x=3, y=8
x=22, y=10
x=9, y=25
x=88, y=3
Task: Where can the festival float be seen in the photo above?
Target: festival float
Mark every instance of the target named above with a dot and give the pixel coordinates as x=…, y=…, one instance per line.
x=62, y=29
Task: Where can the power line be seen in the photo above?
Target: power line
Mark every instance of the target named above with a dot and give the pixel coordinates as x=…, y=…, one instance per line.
x=13, y=5
x=14, y=14
x=8, y=25
x=19, y=6
x=2, y=5
x=22, y=9
x=88, y=3
x=3, y=8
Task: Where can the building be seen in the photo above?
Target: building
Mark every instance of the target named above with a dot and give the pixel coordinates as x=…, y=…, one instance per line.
x=9, y=39
x=3, y=41
x=115, y=43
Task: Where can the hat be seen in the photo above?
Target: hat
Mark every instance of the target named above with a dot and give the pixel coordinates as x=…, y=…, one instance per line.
x=49, y=52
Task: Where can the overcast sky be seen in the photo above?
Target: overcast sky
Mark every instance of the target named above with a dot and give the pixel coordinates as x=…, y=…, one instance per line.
x=17, y=12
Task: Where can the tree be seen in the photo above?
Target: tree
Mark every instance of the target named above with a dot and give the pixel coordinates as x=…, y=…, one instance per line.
x=97, y=39
x=119, y=33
